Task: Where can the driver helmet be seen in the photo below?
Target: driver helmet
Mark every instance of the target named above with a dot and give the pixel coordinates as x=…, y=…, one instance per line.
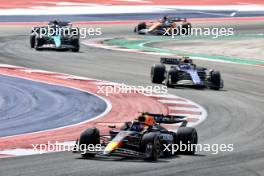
x=187, y=59
x=165, y=19
x=137, y=126
x=146, y=119
x=54, y=23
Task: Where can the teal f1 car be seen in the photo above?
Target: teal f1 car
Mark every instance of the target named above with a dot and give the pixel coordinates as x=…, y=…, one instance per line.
x=56, y=35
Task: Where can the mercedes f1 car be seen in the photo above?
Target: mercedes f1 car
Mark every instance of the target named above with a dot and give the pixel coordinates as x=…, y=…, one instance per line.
x=165, y=26
x=143, y=138
x=182, y=71
x=57, y=35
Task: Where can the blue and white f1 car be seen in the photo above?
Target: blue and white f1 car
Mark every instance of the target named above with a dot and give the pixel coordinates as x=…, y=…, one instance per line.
x=182, y=71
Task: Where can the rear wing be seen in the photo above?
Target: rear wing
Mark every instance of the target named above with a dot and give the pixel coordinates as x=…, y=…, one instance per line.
x=172, y=61
x=60, y=23
x=167, y=119
x=177, y=19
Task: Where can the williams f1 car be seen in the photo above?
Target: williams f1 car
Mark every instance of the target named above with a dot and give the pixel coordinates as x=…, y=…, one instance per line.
x=182, y=71
x=165, y=26
x=142, y=138
x=57, y=35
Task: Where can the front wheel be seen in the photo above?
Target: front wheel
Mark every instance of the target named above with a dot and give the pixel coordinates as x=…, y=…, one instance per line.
x=186, y=28
x=89, y=136
x=77, y=49
x=171, y=78
x=215, y=80
x=151, y=146
x=32, y=41
x=140, y=26
x=38, y=43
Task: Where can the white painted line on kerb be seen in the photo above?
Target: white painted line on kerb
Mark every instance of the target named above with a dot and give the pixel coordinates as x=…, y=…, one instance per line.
x=184, y=108
x=174, y=101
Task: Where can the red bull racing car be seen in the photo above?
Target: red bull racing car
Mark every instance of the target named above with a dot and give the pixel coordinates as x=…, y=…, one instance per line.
x=142, y=138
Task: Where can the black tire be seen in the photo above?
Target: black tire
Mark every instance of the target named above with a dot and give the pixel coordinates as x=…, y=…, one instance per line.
x=32, y=41
x=75, y=42
x=151, y=146
x=141, y=26
x=157, y=73
x=215, y=80
x=38, y=43
x=186, y=27
x=77, y=49
x=186, y=136
x=89, y=136
x=135, y=29
x=171, y=77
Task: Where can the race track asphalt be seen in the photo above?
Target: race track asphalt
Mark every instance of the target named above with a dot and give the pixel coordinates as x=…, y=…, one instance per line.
x=235, y=114
x=27, y=106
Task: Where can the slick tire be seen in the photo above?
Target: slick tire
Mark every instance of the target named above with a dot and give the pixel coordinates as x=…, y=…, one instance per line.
x=32, y=41
x=89, y=136
x=151, y=146
x=186, y=136
x=38, y=43
x=76, y=43
x=215, y=80
x=157, y=73
x=171, y=78
x=186, y=28
x=140, y=26
x=77, y=49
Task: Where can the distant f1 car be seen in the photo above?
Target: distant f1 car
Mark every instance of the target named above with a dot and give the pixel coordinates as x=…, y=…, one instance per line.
x=143, y=138
x=165, y=26
x=57, y=35
x=182, y=71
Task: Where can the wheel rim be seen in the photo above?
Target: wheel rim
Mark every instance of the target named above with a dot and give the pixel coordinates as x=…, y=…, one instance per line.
x=168, y=81
x=157, y=150
x=149, y=150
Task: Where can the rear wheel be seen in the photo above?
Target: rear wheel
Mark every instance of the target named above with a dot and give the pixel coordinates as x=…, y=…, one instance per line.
x=186, y=139
x=157, y=73
x=89, y=136
x=77, y=49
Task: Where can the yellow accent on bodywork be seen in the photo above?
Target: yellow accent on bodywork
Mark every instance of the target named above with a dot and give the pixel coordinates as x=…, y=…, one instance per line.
x=112, y=146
